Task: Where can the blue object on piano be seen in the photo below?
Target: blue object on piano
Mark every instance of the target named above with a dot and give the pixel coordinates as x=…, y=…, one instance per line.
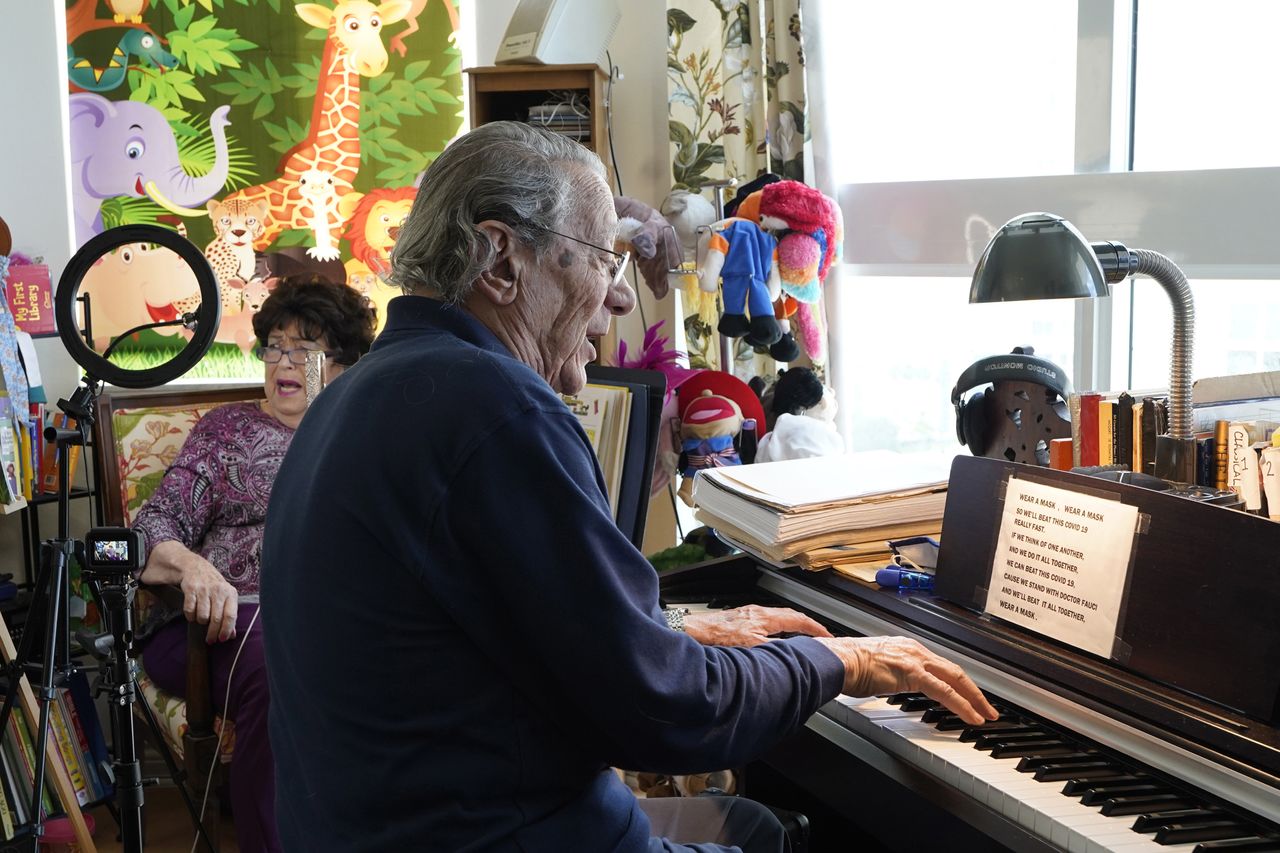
x=900, y=578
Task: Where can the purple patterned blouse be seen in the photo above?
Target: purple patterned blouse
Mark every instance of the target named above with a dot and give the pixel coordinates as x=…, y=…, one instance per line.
x=213, y=499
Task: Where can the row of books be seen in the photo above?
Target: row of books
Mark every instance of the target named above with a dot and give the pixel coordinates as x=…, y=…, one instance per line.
x=604, y=412
x=29, y=466
x=823, y=512
x=1112, y=429
x=77, y=743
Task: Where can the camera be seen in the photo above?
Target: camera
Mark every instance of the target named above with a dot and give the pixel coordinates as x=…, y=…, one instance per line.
x=115, y=550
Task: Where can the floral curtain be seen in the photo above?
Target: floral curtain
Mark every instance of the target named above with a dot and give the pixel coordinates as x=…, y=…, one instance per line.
x=736, y=106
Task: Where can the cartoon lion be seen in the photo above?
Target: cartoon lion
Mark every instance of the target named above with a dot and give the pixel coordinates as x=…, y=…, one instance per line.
x=371, y=232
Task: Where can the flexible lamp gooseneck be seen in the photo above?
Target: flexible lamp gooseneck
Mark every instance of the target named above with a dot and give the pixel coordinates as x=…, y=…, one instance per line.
x=1043, y=256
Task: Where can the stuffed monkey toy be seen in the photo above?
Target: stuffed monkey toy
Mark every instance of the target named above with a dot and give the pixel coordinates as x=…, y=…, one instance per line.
x=653, y=241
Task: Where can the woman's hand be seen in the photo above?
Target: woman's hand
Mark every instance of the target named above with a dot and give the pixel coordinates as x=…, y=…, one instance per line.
x=748, y=626
x=877, y=665
x=207, y=598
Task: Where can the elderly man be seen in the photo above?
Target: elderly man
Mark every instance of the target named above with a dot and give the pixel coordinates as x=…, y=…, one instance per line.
x=460, y=642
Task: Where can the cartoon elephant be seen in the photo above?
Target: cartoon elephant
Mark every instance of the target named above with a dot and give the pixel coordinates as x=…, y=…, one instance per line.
x=128, y=148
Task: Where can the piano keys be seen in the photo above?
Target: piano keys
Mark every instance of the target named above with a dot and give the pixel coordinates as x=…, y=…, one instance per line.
x=1161, y=765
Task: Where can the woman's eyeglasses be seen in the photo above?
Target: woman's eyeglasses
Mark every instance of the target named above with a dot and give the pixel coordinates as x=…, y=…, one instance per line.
x=271, y=354
x=620, y=265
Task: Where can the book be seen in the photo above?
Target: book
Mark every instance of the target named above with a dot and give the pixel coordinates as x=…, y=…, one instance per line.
x=1124, y=430
x=1088, y=428
x=1137, y=451
x=29, y=290
x=782, y=502
x=1244, y=472
x=1073, y=411
x=604, y=411
x=60, y=735
x=84, y=718
x=1060, y=451
x=1106, y=432
x=1155, y=416
x=52, y=463
x=6, y=816
x=12, y=767
x=11, y=491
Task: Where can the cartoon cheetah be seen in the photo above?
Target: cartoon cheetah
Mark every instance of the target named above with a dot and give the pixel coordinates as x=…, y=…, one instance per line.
x=237, y=223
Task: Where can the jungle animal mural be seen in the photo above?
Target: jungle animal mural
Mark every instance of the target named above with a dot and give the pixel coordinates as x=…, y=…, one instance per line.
x=282, y=135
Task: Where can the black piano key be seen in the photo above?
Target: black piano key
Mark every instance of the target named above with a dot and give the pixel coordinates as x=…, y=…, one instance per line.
x=899, y=698
x=951, y=724
x=1032, y=763
x=918, y=703
x=1219, y=830
x=1155, y=820
x=1090, y=771
x=934, y=715
x=1075, y=787
x=973, y=733
x=1100, y=794
x=1256, y=844
x=1120, y=806
x=987, y=741
x=1018, y=749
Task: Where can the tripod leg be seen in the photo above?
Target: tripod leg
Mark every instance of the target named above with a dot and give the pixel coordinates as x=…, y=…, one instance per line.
x=58, y=579
x=175, y=773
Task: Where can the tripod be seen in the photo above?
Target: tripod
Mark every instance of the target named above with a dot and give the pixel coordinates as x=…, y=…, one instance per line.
x=114, y=592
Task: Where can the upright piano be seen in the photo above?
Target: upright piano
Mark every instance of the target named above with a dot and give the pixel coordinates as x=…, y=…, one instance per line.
x=1172, y=742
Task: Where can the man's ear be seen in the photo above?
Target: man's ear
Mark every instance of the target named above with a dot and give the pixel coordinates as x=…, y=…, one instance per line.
x=500, y=282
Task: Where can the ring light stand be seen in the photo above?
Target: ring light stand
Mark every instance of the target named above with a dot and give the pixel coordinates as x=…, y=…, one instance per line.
x=113, y=589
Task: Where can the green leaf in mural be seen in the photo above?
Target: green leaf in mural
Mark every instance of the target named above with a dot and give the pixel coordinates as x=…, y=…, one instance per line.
x=182, y=19
x=146, y=486
x=679, y=22
x=205, y=48
x=124, y=210
x=691, y=170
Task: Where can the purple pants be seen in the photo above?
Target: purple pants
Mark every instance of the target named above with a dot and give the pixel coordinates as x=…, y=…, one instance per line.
x=253, y=781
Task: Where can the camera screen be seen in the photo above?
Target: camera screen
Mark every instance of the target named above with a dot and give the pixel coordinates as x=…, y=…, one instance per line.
x=111, y=551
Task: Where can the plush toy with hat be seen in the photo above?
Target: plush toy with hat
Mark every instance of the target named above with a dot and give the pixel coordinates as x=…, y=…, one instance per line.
x=712, y=406
x=652, y=239
x=804, y=411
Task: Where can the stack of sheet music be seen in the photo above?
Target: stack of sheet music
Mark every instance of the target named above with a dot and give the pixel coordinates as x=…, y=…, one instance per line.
x=784, y=510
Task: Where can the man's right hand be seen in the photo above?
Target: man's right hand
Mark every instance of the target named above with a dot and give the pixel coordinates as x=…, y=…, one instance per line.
x=207, y=597
x=878, y=665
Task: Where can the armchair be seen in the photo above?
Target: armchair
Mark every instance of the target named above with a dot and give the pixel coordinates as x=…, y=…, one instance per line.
x=139, y=434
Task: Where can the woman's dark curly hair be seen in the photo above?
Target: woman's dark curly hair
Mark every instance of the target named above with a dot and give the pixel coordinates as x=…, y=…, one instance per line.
x=321, y=309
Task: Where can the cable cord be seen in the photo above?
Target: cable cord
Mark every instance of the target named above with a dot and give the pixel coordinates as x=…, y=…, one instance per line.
x=217, y=753
x=608, y=121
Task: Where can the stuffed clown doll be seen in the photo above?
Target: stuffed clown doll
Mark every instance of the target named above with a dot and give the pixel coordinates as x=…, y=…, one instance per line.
x=708, y=425
x=741, y=254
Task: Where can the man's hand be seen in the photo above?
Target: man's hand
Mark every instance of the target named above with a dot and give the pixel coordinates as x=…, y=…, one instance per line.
x=748, y=626
x=207, y=598
x=876, y=665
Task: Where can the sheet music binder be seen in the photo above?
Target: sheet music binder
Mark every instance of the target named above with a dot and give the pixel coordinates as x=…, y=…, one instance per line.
x=648, y=389
x=1200, y=610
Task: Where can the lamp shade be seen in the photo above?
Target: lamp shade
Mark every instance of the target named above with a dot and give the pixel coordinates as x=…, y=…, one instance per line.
x=1037, y=256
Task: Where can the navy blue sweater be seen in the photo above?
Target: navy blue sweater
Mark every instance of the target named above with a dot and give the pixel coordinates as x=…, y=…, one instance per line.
x=460, y=642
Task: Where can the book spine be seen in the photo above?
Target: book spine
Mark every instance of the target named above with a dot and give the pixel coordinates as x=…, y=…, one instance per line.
x=1206, y=460
x=1106, y=432
x=1244, y=477
x=1060, y=453
x=12, y=769
x=6, y=817
x=61, y=734
x=1089, y=429
x=1223, y=453
x=92, y=783
x=1135, y=459
x=1073, y=411
x=1124, y=431
x=87, y=715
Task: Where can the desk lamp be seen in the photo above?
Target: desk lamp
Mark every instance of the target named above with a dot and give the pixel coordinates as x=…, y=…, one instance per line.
x=1042, y=256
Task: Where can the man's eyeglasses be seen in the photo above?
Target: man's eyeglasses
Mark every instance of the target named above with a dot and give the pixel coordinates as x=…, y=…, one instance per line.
x=623, y=257
x=271, y=354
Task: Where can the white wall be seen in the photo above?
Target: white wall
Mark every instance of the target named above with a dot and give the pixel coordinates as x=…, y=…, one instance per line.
x=35, y=196
x=639, y=49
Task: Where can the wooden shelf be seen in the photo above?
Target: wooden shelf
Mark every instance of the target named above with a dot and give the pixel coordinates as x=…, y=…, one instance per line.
x=505, y=93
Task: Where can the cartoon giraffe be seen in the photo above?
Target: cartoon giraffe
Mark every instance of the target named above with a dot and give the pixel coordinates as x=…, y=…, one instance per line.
x=353, y=49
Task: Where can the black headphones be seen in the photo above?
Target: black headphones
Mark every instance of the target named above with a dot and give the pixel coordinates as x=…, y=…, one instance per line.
x=1030, y=419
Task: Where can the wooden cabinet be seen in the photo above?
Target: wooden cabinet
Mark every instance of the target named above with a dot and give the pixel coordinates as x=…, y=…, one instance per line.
x=506, y=92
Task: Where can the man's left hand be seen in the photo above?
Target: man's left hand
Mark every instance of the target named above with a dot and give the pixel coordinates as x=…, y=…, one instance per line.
x=748, y=626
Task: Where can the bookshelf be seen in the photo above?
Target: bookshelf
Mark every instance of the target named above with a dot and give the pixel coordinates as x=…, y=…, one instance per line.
x=27, y=706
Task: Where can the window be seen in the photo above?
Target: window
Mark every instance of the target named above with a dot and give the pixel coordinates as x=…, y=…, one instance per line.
x=997, y=108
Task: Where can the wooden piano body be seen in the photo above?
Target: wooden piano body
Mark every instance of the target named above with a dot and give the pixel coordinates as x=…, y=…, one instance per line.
x=1191, y=699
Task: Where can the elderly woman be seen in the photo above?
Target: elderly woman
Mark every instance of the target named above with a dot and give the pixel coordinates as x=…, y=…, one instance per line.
x=203, y=526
